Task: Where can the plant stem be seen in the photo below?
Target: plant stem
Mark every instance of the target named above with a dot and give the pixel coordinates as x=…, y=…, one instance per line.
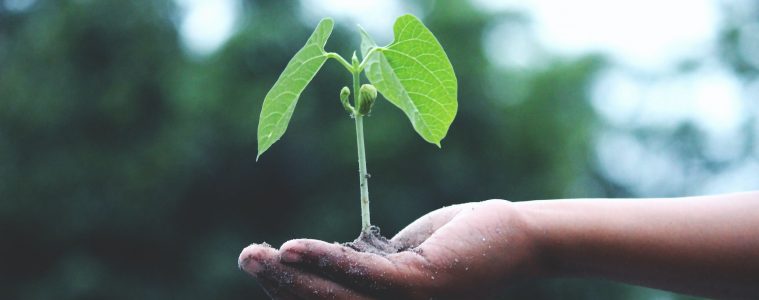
x=366, y=57
x=341, y=60
x=363, y=175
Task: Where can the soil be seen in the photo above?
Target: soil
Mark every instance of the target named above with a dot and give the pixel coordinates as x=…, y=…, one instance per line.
x=372, y=241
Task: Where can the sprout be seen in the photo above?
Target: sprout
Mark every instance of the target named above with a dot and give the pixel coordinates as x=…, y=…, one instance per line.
x=367, y=95
x=345, y=94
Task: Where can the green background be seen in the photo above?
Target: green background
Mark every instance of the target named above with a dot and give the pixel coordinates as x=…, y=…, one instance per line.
x=127, y=166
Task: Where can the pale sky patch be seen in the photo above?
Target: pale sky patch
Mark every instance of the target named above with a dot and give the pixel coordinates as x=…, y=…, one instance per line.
x=645, y=34
x=207, y=24
x=376, y=16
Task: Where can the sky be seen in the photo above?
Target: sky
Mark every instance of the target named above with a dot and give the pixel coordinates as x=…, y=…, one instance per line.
x=207, y=24
x=643, y=87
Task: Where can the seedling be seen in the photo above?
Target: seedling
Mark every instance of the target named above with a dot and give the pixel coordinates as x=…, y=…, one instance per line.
x=413, y=73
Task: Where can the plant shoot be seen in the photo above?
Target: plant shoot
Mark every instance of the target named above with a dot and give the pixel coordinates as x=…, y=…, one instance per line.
x=413, y=73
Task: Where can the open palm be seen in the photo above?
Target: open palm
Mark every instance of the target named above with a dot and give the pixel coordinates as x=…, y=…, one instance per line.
x=458, y=251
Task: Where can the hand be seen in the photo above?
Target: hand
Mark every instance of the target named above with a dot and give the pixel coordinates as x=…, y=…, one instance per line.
x=460, y=251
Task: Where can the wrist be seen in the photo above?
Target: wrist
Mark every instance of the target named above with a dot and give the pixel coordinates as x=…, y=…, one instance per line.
x=523, y=242
x=540, y=226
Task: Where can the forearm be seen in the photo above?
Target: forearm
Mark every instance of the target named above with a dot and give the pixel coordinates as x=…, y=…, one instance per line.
x=700, y=245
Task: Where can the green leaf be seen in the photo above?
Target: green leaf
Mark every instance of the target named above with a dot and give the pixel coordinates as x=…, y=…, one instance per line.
x=280, y=101
x=414, y=74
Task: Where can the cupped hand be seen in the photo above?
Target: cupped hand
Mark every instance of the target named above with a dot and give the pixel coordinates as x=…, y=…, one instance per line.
x=460, y=251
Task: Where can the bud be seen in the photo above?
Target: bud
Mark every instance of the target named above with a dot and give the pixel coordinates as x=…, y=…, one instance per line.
x=345, y=94
x=367, y=95
x=354, y=60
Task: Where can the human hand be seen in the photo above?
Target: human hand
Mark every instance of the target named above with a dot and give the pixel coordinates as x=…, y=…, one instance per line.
x=464, y=250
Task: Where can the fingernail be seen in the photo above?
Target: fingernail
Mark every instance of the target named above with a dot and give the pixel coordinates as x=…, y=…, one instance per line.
x=251, y=265
x=290, y=257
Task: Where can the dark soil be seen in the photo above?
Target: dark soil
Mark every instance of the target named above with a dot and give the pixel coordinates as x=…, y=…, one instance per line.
x=372, y=241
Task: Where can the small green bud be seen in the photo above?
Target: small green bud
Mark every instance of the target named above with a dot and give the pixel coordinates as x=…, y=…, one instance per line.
x=345, y=94
x=367, y=95
x=354, y=60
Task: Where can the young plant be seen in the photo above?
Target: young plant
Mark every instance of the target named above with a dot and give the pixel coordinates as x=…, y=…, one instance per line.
x=413, y=73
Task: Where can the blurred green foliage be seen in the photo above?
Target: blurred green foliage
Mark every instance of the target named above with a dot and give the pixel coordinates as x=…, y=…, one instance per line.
x=127, y=168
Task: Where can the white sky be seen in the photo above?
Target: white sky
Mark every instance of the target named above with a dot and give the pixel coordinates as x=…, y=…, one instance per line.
x=207, y=24
x=376, y=16
x=646, y=34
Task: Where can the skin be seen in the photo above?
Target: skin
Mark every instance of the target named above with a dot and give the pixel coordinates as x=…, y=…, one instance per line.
x=706, y=246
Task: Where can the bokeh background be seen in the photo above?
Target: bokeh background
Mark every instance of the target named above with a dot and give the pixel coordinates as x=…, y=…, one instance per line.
x=128, y=130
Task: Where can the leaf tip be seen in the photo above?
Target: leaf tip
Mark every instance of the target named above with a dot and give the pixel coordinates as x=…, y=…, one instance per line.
x=258, y=155
x=362, y=31
x=262, y=147
x=328, y=22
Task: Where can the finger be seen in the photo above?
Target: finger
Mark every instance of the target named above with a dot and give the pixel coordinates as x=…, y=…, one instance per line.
x=418, y=231
x=274, y=290
x=286, y=282
x=257, y=261
x=310, y=286
x=363, y=271
x=306, y=285
x=255, y=258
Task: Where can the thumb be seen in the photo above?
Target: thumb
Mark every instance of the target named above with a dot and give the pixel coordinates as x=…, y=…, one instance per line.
x=420, y=230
